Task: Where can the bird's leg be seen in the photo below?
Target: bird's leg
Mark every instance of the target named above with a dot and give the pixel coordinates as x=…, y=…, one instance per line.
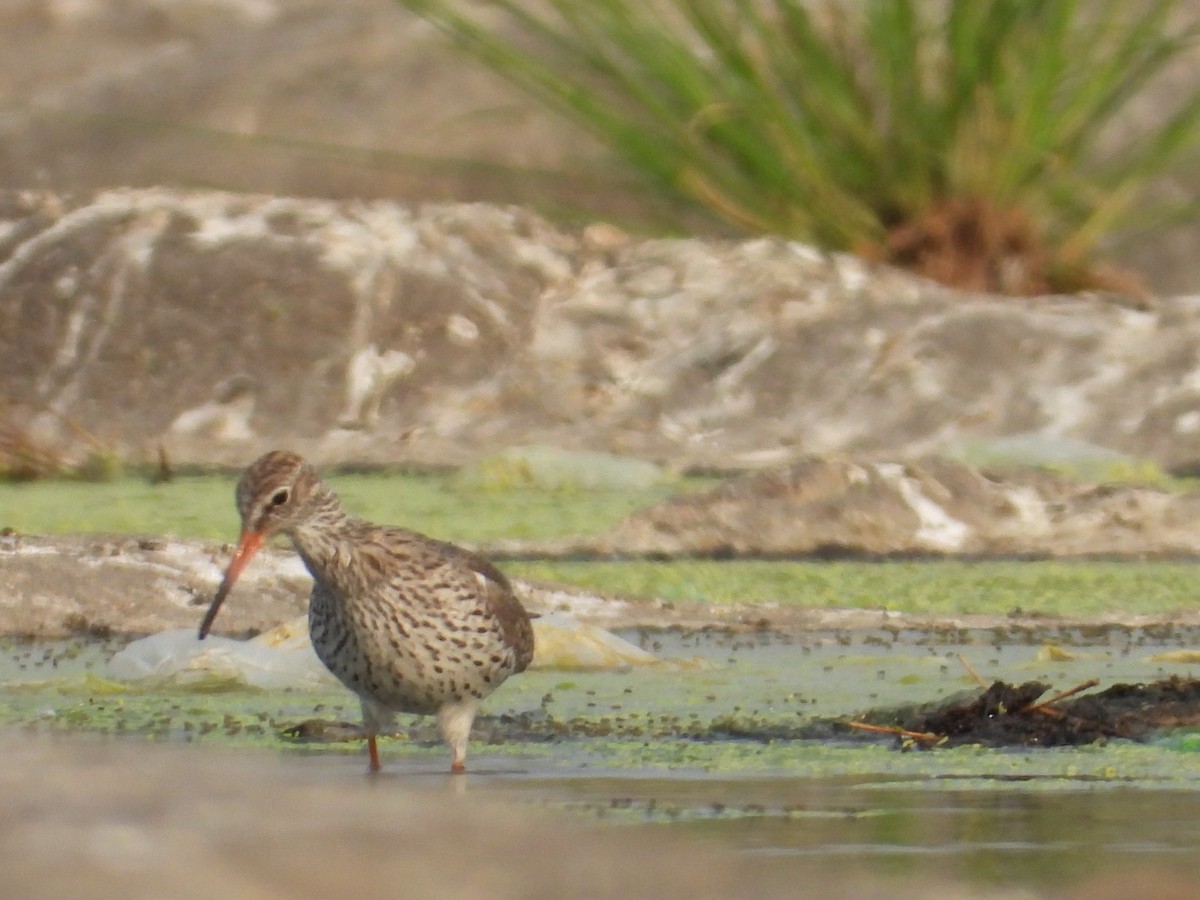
x=372, y=754
x=454, y=722
x=373, y=718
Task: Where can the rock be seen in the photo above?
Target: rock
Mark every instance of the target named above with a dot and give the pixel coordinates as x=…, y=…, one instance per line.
x=442, y=334
x=50, y=586
x=827, y=506
x=383, y=294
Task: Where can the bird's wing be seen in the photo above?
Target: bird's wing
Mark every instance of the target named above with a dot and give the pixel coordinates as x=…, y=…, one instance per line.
x=513, y=618
x=460, y=575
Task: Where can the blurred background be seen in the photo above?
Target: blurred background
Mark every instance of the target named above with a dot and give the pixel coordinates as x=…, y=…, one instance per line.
x=362, y=98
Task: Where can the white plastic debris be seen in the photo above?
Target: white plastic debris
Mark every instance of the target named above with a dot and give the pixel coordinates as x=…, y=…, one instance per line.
x=284, y=658
x=563, y=642
x=178, y=657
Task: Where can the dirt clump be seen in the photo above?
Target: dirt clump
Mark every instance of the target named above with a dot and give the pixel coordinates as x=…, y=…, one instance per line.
x=1008, y=715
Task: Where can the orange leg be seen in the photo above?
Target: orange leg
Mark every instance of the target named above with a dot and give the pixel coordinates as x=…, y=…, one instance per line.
x=373, y=754
x=457, y=767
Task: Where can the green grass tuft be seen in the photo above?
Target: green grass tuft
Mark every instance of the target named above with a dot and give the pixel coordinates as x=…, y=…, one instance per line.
x=986, y=143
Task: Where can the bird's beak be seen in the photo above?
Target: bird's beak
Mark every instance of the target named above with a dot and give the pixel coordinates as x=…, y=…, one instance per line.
x=249, y=544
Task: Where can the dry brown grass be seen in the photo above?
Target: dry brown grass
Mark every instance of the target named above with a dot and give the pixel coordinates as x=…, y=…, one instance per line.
x=24, y=457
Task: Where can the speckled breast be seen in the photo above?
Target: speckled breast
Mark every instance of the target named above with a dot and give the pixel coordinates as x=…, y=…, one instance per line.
x=409, y=659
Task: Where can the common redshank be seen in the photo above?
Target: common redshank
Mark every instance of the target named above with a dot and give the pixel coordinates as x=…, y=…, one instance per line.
x=408, y=623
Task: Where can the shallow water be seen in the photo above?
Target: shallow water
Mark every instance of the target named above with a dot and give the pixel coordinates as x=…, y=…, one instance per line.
x=885, y=827
x=718, y=744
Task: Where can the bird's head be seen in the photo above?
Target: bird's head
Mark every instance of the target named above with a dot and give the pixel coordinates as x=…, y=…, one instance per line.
x=275, y=495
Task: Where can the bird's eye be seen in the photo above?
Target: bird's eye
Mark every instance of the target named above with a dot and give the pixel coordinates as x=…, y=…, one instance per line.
x=280, y=497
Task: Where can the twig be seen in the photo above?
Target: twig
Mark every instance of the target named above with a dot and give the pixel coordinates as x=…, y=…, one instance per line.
x=898, y=732
x=966, y=665
x=1061, y=695
x=165, y=472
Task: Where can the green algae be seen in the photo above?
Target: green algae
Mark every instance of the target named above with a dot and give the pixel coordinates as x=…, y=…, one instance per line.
x=1071, y=588
x=201, y=506
x=644, y=742
x=763, y=704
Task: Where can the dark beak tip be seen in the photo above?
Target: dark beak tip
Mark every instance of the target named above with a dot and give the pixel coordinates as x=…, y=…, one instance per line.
x=248, y=545
x=211, y=615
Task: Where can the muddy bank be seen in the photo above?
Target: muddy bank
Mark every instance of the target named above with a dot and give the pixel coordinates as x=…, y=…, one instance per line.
x=95, y=585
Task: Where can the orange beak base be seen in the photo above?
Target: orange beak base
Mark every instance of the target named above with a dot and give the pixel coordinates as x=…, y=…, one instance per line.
x=249, y=544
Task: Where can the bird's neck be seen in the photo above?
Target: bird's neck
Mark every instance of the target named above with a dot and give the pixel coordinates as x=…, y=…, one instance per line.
x=321, y=538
